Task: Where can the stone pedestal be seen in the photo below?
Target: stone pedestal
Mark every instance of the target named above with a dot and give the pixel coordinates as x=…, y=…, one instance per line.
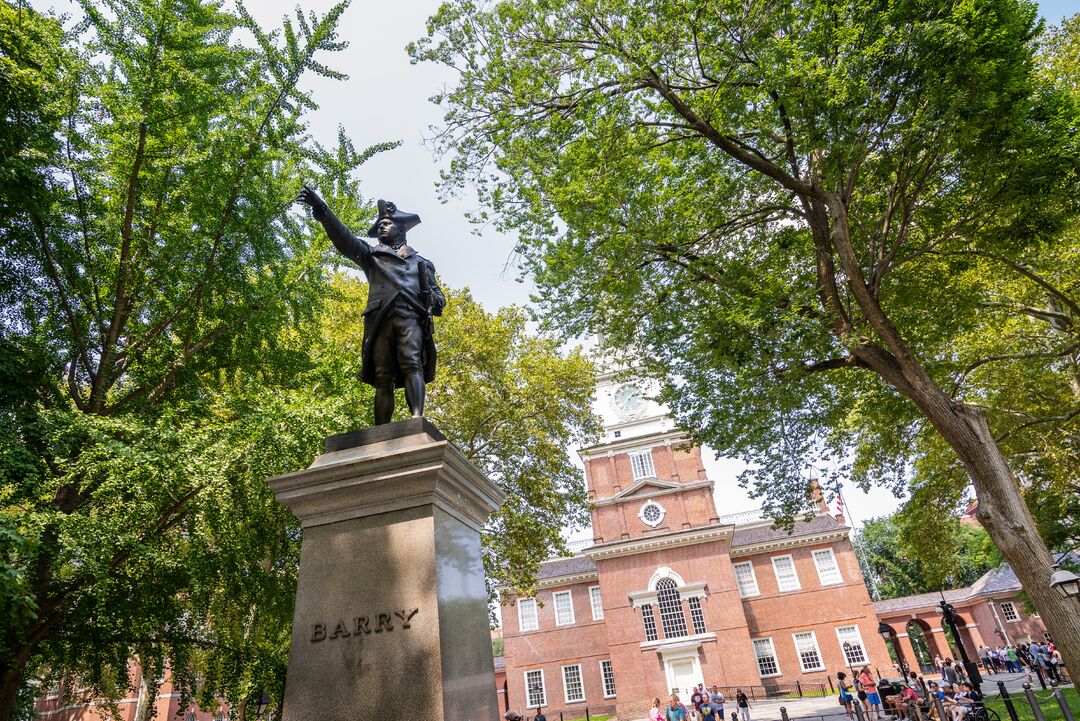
x=391, y=613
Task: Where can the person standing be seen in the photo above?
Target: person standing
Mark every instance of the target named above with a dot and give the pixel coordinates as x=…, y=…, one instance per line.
x=717, y=699
x=539, y=716
x=873, y=699
x=656, y=713
x=743, y=703
x=675, y=710
x=948, y=673
x=846, y=699
x=984, y=657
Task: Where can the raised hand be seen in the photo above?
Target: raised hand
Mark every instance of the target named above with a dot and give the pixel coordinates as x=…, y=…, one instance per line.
x=309, y=197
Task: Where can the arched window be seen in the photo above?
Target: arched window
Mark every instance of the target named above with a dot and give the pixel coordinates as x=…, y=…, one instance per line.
x=671, y=610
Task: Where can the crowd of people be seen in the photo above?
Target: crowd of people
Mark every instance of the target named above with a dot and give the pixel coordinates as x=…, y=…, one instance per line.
x=912, y=699
x=1037, y=657
x=705, y=705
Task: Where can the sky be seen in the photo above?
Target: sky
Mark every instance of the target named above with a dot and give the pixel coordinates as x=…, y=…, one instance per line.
x=379, y=69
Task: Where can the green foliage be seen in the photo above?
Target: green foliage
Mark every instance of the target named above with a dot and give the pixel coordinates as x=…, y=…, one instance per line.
x=758, y=202
x=899, y=557
x=170, y=337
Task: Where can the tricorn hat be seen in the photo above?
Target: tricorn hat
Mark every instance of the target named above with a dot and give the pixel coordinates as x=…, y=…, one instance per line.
x=389, y=210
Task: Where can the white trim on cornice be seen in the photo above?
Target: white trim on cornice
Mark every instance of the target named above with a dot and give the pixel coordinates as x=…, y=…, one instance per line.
x=622, y=445
x=633, y=546
x=567, y=580
x=666, y=646
x=642, y=598
x=778, y=544
x=674, y=487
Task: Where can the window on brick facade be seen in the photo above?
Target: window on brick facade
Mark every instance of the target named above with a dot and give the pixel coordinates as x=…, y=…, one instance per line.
x=597, y=603
x=671, y=611
x=1008, y=610
x=527, y=620
x=534, y=688
x=564, y=608
x=649, y=621
x=852, y=645
x=607, y=674
x=809, y=654
x=573, y=688
x=642, y=466
x=746, y=580
x=787, y=579
x=828, y=571
x=696, y=615
x=766, y=657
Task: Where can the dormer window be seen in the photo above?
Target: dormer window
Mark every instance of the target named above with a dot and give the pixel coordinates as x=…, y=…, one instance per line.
x=642, y=465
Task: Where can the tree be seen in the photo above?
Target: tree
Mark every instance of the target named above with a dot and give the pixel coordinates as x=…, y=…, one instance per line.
x=895, y=564
x=145, y=257
x=171, y=337
x=778, y=209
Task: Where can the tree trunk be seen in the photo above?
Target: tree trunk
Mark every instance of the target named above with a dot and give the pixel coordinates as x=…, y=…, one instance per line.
x=148, y=690
x=12, y=675
x=1005, y=516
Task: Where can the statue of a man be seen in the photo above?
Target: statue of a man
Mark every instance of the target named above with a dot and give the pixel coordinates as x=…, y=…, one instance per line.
x=403, y=295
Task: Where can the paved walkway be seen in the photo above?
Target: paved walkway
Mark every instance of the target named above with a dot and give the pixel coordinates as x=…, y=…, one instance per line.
x=829, y=708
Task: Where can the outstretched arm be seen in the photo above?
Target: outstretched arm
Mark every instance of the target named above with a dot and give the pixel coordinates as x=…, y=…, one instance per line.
x=347, y=244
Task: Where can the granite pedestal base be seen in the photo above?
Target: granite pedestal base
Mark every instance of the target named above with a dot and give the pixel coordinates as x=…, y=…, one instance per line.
x=391, y=613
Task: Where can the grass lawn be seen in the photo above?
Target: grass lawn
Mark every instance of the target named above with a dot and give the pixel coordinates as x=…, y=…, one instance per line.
x=1050, y=708
x=591, y=718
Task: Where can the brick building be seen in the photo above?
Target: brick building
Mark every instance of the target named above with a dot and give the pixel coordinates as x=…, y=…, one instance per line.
x=670, y=592
x=991, y=613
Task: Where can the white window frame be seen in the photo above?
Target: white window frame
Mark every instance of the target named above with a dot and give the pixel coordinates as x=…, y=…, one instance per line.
x=569, y=596
x=531, y=603
x=1010, y=610
x=643, y=458
x=753, y=579
x=862, y=646
x=566, y=688
x=772, y=650
x=822, y=578
x=53, y=691
x=543, y=689
x=794, y=574
x=596, y=601
x=807, y=646
x=610, y=672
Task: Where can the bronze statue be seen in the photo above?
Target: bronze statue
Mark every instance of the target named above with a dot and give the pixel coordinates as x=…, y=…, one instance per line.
x=398, y=348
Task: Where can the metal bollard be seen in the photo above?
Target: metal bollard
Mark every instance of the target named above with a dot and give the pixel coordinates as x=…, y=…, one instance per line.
x=560, y=716
x=587, y=714
x=857, y=705
x=798, y=687
x=1007, y=700
x=1065, y=710
x=1033, y=702
x=831, y=689
x=783, y=713
x=940, y=709
x=1039, y=673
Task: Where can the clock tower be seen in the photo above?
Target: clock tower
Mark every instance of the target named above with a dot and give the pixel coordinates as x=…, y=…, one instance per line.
x=644, y=477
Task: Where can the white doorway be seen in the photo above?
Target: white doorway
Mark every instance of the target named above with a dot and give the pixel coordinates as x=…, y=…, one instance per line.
x=683, y=675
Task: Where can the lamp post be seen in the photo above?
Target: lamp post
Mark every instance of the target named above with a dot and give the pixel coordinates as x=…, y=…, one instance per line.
x=847, y=657
x=261, y=704
x=948, y=616
x=888, y=635
x=1065, y=582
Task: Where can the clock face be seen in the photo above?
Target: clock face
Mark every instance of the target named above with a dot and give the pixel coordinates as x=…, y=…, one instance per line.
x=628, y=400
